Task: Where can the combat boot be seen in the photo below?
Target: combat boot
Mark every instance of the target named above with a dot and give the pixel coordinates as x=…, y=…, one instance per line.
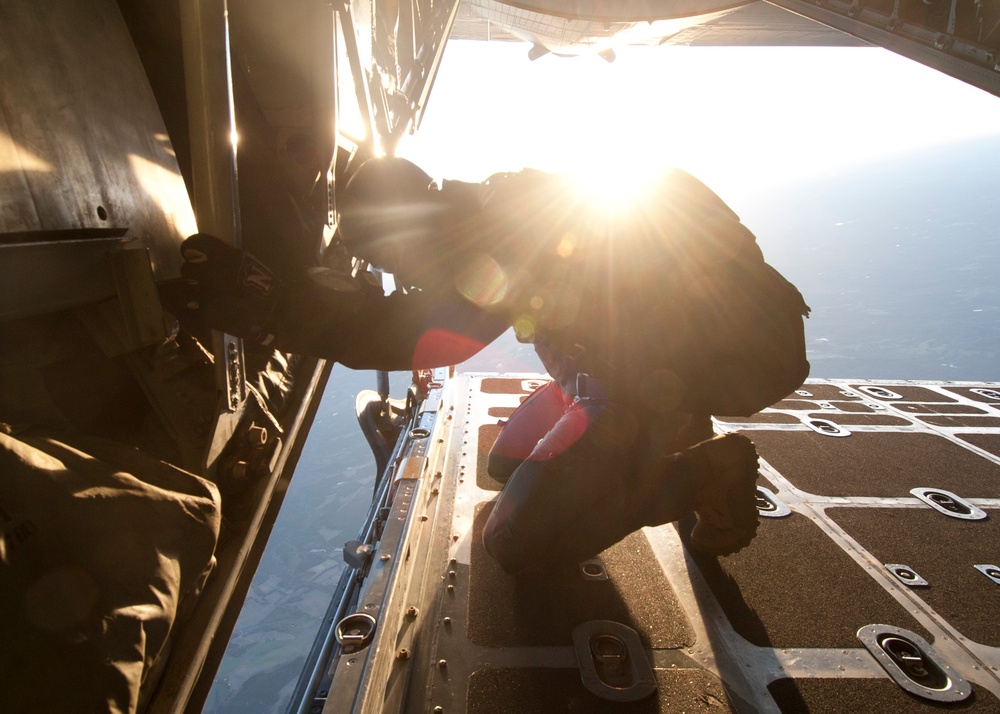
x=725, y=499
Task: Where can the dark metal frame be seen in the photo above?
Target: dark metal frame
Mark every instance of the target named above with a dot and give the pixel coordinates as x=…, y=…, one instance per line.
x=393, y=61
x=894, y=25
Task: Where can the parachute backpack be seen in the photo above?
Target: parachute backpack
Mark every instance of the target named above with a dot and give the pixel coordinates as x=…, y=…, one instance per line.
x=735, y=332
x=683, y=309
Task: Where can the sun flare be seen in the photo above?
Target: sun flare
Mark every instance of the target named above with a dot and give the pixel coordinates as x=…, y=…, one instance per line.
x=617, y=186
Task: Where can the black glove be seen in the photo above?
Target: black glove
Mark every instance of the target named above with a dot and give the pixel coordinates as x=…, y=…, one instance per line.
x=230, y=290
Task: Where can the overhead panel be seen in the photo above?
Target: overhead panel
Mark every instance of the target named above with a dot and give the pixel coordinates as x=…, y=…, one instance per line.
x=959, y=38
x=642, y=23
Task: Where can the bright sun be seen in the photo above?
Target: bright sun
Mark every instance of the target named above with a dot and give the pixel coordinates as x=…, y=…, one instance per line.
x=616, y=185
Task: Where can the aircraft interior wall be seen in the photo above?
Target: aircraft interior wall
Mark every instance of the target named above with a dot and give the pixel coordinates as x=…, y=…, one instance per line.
x=98, y=381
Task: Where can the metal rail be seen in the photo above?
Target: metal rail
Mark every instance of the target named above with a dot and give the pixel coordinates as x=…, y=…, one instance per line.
x=212, y=118
x=309, y=691
x=405, y=465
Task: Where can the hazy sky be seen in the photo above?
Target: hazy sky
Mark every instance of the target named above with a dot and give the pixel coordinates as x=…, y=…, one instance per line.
x=741, y=119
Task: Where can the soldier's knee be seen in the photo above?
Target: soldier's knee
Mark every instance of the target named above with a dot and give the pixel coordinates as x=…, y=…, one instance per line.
x=501, y=467
x=504, y=548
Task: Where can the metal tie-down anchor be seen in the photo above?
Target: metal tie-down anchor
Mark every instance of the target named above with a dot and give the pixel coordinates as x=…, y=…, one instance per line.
x=949, y=504
x=906, y=575
x=769, y=505
x=913, y=664
x=613, y=664
x=355, y=631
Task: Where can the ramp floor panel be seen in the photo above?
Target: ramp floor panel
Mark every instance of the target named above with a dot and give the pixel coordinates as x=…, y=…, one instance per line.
x=852, y=418
x=882, y=463
x=984, y=422
x=943, y=551
x=795, y=587
x=488, y=434
x=547, y=691
x=906, y=392
x=838, y=696
x=949, y=408
x=986, y=442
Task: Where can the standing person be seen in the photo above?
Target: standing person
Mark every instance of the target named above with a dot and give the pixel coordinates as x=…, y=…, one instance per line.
x=629, y=312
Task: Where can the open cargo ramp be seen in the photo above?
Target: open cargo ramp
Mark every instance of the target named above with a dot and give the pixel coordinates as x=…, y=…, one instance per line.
x=872, y=583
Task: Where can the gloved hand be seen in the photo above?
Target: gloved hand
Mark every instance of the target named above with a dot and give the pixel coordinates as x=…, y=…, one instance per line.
x=230, y=290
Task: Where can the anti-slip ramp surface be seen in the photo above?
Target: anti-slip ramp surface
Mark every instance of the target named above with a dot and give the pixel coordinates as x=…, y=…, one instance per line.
x=775, y=627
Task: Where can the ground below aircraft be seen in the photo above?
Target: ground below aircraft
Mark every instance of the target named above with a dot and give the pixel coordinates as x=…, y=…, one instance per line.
x=116, y=120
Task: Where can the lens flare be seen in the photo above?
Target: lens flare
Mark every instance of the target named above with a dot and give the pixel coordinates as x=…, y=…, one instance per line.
x=566, y=246
x=524, y=329
x=482, y=281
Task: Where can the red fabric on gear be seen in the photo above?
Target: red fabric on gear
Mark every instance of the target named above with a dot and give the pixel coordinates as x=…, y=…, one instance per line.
x=563, y=435
x=440, y=348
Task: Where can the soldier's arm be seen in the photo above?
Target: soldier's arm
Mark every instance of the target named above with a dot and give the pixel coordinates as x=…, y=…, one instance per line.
x=353, y=322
